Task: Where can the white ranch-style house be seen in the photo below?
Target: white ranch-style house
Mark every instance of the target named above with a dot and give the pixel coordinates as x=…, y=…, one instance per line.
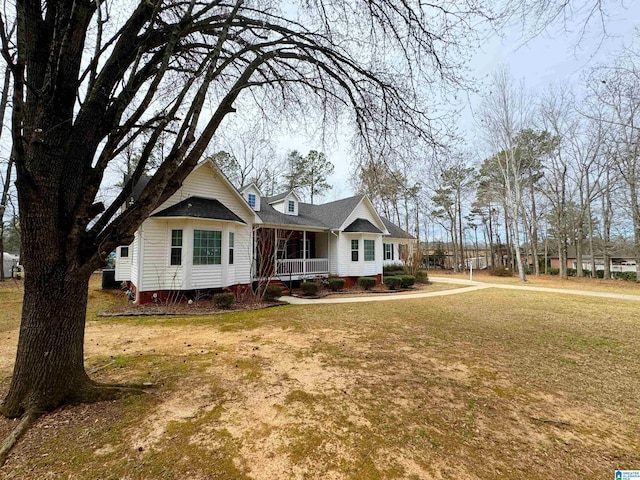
x=210, y=235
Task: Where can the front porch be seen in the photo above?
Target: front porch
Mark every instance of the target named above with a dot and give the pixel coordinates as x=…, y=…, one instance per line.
x=298, y=268
x=291, y=254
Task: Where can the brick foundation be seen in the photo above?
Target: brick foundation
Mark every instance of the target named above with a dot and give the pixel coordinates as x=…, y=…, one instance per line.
x=170, y=296
x=353, y=281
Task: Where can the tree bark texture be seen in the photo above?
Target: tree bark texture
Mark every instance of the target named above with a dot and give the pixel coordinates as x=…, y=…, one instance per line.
x=49, y=369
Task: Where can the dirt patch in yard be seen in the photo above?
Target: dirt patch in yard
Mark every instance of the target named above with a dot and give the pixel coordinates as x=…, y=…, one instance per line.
x=495, y=384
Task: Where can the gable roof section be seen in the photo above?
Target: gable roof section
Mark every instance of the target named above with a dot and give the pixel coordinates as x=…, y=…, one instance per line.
x=244, y=188
x=281, y=196
x=394, y=230
x=305, y=217
x=334, y=214
x=328, y=216
x=362, y=225
x=199, y=207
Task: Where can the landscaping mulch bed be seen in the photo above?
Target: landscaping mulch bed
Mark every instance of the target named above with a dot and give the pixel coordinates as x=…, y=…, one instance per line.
x=184, y=308
x=358, y=291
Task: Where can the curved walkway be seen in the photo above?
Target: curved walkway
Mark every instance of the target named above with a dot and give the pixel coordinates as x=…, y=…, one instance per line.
x=472, y=286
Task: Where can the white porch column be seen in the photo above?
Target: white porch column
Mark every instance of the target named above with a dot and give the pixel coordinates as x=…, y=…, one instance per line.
x=275, y=252
x=304, y=252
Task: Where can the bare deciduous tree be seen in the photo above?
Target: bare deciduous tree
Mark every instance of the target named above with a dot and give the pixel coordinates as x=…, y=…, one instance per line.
x=504, y=114
x=87, y=83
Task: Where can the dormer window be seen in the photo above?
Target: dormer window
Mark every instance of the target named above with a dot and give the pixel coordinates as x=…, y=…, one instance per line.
x=252, y=200
x=292, y=206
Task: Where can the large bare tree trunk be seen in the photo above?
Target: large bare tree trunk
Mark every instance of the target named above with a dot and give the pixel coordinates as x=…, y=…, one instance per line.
x=49, y=369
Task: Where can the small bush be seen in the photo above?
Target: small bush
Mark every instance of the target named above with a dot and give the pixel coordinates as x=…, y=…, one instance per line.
x=309, y=288
x=500, y=271
x=392, y=270
x=407, y=281
x=392, y=283
x=572, y=272
x=628, y=276
x=367, y=282
x=553, y=271
x=272, y=292
x=336, y=284
x=599, y=273
x=422, y=276
x=224, y=300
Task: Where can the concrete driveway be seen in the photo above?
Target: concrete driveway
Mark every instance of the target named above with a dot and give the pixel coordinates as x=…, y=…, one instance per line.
x=471, y=287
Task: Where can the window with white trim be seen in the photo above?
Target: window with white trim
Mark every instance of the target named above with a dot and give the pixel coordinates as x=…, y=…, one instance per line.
x=232, y=240
x=388, y=251
x=282, y=248
x=292, y=206
x=369, y=250
x=176, y=247
x=124, y=252
x=354, y=250
x=252, y=200
x=207, y=247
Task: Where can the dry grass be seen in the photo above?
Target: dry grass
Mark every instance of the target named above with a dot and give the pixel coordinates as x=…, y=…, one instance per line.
x=485, y=385
x=550, y=281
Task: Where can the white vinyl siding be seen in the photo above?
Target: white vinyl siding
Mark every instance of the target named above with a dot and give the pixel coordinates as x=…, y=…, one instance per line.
x=134, y=255
x=282, y=205
x=251, y=193
x=157, y=271
x=123, y=264
x=364, y=210
x=207, y=183
x=158, y=274
x=333, y=254
x=397, y=244
x=348, y=268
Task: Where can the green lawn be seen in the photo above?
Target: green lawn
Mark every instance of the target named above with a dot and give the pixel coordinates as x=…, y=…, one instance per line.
x=489, y=384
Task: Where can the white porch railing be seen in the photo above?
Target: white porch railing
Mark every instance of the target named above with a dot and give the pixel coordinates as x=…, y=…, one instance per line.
x=298, y=266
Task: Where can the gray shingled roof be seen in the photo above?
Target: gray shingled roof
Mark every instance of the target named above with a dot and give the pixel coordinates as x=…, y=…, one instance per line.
x=305, y=217
x=277, y=198
x=394, y=230
x=328, y=216
x=334, y=214
x=199, y=207
x=362, y=225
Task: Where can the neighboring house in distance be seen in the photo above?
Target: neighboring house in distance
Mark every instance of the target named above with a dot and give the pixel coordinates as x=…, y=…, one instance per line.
x=209, y=235
x=622, y=259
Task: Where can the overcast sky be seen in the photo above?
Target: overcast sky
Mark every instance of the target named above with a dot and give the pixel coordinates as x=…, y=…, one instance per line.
x=561, y=54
